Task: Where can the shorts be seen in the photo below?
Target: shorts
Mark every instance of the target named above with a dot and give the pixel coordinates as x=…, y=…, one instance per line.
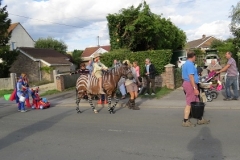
x=189, y=92
x=132, y=87
x=98, y=74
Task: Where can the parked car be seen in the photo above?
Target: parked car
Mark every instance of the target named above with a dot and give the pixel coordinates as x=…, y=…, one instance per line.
x=209, y=57
x=181, y=61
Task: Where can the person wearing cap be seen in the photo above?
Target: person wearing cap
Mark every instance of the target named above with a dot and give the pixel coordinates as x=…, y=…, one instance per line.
x=98, y=67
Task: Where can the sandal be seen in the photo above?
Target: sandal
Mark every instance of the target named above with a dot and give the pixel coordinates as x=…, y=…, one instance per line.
x=123, y=97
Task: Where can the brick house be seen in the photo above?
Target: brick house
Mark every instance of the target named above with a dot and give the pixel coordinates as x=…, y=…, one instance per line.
x=202, y=43
x=89, y=52
x=39, y=63
x=19, y=37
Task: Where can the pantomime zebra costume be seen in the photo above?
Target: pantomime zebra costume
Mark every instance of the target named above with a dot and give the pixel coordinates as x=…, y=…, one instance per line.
x=88, y=84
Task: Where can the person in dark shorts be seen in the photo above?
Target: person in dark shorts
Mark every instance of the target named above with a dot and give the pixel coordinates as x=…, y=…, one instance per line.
x=190, y=87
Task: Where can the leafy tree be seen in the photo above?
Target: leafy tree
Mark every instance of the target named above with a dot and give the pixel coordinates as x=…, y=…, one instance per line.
x=224, y=46
x=6, y=55
x=139, y=29
x=76, y=56
x=51, y=43
x=235, y=24
x=216, y=43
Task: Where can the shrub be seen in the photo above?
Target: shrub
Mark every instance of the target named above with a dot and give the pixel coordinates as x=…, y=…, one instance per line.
x=159, y=58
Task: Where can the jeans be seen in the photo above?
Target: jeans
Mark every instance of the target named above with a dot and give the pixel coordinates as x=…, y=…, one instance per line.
x=231, y=81
x=122, y=90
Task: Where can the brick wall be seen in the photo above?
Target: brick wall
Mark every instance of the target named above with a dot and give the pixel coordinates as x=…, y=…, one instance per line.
x=165, y=79
x=24, y=64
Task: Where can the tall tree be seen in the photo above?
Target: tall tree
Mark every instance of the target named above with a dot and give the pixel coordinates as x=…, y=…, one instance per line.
x=51, y=43
x=7, y=57
x=76, y=56
x=235, y=24
x=139, y=29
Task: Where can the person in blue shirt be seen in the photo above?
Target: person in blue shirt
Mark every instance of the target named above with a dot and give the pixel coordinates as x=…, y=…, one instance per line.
x=190, y=87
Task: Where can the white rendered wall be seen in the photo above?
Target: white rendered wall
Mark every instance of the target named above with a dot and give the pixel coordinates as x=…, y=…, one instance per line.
x=20, y=38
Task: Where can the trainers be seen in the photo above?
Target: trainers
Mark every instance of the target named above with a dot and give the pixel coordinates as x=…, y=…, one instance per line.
x=146, y=94
x=188, y=124
x=235, y=99
x=153, y=94
x=203, y=121
x=23, y=111
x=19, y=110
x=136, y=108
x=227, y=99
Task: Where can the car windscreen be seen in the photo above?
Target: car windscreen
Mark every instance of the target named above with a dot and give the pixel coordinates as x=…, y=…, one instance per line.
x=211, y=57
x=183, y=58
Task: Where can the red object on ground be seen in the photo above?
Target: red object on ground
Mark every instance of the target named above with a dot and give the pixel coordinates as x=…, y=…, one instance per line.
x=13, y=95
x=27, y=103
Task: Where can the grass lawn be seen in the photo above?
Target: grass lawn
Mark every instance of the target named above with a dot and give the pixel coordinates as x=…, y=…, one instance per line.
x=3, y=92
x=160, y=92
x=50, y=92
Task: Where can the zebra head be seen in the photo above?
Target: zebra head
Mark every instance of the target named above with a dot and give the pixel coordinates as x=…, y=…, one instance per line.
x=124, y=69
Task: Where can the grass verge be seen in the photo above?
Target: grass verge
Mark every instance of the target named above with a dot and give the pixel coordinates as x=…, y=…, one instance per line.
x=3, y=92
x=49, y=92
x=54, y=91
x=160, y=92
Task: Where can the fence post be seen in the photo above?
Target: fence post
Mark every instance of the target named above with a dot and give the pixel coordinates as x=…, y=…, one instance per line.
x=60, y=83
x=169, y=69
x=13, y=80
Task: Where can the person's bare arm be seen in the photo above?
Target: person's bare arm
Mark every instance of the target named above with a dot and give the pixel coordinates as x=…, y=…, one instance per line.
x=224, y=68
x=191, y=77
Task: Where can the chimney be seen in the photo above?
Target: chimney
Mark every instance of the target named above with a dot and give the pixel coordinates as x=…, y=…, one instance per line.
x=203, y=36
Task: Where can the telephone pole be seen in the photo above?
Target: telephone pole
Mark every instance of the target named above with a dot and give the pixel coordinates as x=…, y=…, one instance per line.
x=98, y=40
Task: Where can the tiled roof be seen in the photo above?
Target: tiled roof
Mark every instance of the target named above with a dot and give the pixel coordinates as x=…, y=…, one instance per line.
x=12, y=26
x=90, y=50
x=204, y=42
x=50, y=56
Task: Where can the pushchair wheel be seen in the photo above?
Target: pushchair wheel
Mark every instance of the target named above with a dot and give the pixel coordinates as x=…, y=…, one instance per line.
x=209, y=97
x=214, y=95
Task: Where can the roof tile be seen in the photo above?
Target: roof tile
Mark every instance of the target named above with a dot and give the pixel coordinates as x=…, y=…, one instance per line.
x=48, y=55
x=90, y=50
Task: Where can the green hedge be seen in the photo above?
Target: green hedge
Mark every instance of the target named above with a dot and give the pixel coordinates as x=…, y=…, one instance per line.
x=159, y=58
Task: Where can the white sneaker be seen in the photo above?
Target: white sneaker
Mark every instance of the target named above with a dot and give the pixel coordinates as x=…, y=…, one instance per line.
x=153, y=94
x=146, y=94
x=23, y=111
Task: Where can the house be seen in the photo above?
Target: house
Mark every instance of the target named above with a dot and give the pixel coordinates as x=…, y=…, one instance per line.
x=202, y=43
x=39, y=63
x=89, y=52
x=19, y=37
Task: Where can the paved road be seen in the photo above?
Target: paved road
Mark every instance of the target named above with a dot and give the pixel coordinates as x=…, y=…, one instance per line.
x=154, y=132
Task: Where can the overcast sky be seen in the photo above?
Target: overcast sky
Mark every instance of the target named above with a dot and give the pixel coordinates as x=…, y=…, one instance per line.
x=79, y=22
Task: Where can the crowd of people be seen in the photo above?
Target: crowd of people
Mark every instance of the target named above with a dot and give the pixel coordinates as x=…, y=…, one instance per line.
x=129, y=84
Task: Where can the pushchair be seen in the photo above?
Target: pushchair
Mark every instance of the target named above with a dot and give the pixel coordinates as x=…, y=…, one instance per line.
x=206, y=86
